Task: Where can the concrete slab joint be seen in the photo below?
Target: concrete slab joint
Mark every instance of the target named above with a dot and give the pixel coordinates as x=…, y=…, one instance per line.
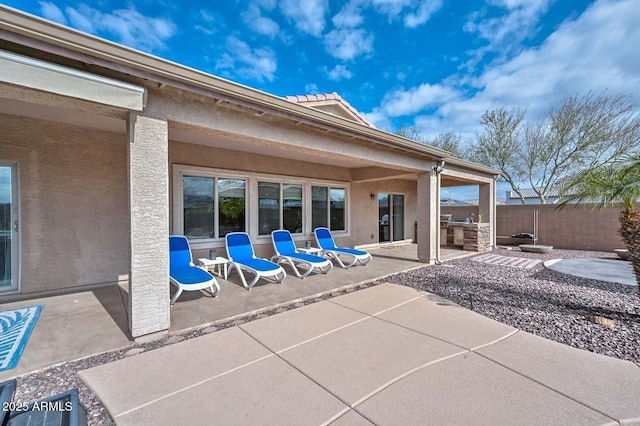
x=148, y=171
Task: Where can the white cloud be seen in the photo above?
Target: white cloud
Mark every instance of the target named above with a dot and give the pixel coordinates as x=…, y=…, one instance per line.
x=595, y=52
x=349, y=16
x=52, y=12
x=241, y=60
x=209, y=23
x=129, y=26
x=390, y=7
x=83, y=19
x=416, y=99
x=308, y=15
x=347, y=43
x=517, y=23
x=260, y=24
x=422, y=15
x=416, y=12
x=311, y=88
x=339, y=72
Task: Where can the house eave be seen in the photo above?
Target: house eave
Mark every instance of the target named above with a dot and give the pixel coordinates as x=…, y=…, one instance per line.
x=34, y=32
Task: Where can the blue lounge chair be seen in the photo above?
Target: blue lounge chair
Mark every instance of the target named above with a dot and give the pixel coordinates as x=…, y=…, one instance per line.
x=183, y=273
x=242, y=257
x=328, y=246
x=286, y=251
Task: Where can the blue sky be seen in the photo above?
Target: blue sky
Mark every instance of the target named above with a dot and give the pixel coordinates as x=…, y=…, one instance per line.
x=435, y=64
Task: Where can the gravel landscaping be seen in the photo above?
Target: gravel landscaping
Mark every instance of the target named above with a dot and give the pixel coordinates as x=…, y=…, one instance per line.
x=546, y=303
x=549, y=304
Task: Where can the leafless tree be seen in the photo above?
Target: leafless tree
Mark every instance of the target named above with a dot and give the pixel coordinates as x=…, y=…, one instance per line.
x=583, y=132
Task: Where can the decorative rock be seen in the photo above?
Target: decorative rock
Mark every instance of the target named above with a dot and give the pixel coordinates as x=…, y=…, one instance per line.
x=623, y=254
x=299, y=305
x=211, y=329
x=134, y=351
x=540, y=301
x=536, y=248
x=238, y=322
x=601, y=320
x=174, y=339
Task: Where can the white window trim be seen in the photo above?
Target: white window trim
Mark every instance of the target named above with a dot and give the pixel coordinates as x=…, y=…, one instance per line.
x=16, y=246
x=281, y=184
x=251, y=199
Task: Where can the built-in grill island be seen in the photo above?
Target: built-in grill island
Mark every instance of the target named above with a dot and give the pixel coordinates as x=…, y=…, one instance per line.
x=462, y=232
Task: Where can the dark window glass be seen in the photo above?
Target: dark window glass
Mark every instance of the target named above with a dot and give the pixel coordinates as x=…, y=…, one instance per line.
x=268, y=207
x=292, y=207
x=398, y=217
x=198, y=199
x=337, y=209
x=231, y=206
x=319, y=207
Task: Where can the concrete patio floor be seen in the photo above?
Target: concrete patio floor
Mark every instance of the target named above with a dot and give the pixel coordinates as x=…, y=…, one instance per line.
x=386, y=355
x=77, y=325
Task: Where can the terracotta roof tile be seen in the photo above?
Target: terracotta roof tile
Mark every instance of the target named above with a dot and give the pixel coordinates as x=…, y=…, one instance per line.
x=302, y=99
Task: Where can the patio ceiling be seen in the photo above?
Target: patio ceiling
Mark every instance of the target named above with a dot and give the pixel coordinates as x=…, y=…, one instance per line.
x=218, y=140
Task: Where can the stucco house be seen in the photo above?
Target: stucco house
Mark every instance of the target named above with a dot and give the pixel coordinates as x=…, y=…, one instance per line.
x=106, y=151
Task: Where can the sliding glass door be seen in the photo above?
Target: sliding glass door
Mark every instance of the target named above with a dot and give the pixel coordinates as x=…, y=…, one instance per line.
x=390, y=217
x=8, y=228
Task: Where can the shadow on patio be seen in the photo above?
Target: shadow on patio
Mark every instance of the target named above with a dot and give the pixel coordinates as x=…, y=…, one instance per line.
x=79, y=325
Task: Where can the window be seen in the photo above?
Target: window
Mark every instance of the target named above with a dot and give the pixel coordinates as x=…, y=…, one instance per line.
x=268, y=207
x=292, y=208
x=328, y=208
x=210, y=203
x=279, y=207
x=319, y=211
x=198, y=206
x=231, y=206
x=203, y=210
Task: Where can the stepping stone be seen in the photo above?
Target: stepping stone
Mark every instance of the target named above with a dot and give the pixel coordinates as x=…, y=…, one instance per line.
x=514, y=262
x=536, y=248
x=174, y=339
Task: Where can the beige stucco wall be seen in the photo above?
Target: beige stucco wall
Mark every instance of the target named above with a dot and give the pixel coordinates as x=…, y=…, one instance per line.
x=73, y=193
x=578, y=228
x=188, y=112
x=365, y=220
x=364, y=210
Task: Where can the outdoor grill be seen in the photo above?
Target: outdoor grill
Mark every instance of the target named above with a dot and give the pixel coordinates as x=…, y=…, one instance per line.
x=445, y=218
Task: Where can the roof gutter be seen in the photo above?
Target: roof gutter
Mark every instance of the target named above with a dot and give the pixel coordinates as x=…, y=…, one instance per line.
x=19, y=27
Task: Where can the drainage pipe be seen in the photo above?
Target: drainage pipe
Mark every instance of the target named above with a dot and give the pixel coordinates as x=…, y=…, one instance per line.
x=437, y=170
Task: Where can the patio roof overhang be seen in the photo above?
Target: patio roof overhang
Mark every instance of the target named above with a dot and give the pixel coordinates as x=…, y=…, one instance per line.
x=49, y=41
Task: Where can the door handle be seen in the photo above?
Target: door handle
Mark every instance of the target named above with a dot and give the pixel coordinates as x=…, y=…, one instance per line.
x=15, y=226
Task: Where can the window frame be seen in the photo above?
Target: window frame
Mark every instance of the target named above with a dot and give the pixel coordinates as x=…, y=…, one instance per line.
x=178, y=201
x=251, y=202
x=328, y=201
x=281, y=184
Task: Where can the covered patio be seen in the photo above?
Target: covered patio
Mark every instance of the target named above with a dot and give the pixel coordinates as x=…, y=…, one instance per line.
x=78, y=325
x=112, y=150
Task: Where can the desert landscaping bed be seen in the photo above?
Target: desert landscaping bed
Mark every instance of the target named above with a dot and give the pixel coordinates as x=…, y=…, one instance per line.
x=588, y=314
x=537, y=300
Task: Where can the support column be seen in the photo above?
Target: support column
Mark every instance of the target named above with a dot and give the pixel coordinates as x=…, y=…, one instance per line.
x=427, y=215
x=148, y=167
x=487, y=208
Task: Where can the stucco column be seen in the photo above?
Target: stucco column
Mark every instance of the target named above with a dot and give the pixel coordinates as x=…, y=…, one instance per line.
x=148, y=167
x=487, y=208
x=427, y=217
